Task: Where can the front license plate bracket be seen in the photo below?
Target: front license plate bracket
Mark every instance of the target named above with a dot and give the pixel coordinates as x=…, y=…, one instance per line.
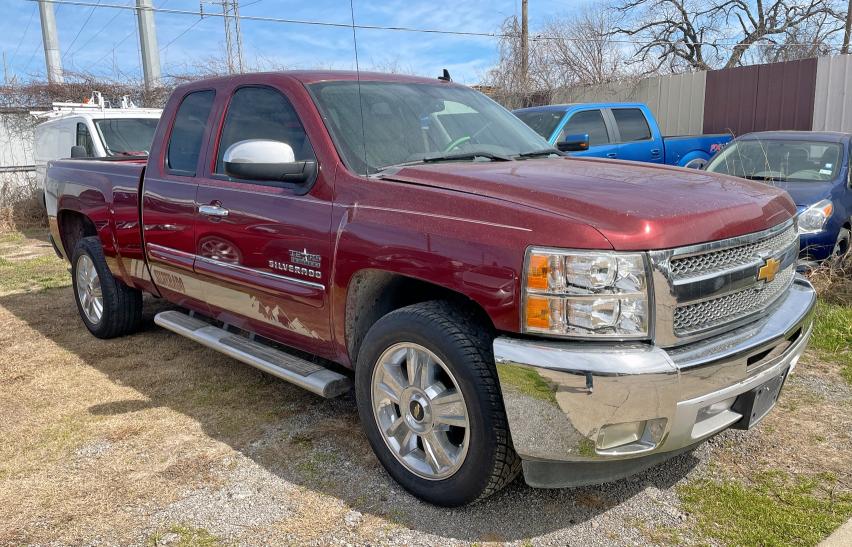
x=754, y=405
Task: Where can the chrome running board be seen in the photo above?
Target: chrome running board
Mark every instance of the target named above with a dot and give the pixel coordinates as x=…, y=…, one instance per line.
x=305, y=374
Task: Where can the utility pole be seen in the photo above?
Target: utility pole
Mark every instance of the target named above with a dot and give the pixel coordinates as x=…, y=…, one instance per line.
x=525, y=44
x=50, y=38
x=5, y=69
x=148, y=44
x=848, y=31
x=233, y=35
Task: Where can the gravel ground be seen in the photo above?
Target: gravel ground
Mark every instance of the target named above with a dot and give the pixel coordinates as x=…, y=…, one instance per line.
x=152, y=439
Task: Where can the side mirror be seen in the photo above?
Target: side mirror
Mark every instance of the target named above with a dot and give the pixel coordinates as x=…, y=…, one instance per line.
x=574, y=143
x=260, y=159
x=79, y=152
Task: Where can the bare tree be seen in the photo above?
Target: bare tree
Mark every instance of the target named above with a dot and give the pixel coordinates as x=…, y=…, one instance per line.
x=512, y=87
x=707, y=34
x=564, y=52
x=582, y=50
x=847, y=29
x=813, y=38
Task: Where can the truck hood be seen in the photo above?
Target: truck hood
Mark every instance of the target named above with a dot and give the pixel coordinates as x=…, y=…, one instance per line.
x=636, y=206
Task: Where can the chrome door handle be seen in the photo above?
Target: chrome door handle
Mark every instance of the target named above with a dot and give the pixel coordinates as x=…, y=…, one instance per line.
x=655, y=152
x=611, y=155
x=213, y=211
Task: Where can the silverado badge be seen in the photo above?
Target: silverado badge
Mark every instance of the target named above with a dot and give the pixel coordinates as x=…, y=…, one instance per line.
x=768, y=270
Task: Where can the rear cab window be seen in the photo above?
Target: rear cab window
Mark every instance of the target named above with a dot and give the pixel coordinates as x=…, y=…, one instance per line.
x=631, y=124
x=187, y=135
x=589, y=122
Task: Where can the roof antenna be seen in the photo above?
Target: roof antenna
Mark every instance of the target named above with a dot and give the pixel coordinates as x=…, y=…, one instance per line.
x=445, y=77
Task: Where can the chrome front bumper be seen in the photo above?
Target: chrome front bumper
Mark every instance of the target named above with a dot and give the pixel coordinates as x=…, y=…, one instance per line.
x=560, y=396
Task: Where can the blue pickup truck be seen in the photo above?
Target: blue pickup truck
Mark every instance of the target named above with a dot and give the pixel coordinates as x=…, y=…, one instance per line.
x=814, y=168
x=626, y=131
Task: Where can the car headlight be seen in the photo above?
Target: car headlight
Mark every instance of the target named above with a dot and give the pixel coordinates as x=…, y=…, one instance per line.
x=586, y=294
x=813, y=218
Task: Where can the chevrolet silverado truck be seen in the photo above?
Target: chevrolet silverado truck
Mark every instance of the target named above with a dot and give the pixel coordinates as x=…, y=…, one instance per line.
x=496, y=305
x=626, y=131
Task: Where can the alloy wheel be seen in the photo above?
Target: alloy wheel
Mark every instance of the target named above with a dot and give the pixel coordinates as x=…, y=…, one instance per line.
x=420, y=411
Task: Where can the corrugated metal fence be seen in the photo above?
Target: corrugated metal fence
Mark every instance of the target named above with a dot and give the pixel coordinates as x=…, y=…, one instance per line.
x=810, y=94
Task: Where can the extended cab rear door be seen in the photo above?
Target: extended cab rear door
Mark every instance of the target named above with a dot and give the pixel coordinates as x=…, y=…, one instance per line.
x=168, y=200
x=264, y=247
x=637, y=135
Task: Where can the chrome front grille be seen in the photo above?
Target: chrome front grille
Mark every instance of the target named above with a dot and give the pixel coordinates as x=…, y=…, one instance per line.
x=714, y=261
x=708, y=314
x=704, y=289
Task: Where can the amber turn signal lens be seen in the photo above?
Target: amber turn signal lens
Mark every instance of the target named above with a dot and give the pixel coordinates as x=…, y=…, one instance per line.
x=537, y=272
x=538, y=312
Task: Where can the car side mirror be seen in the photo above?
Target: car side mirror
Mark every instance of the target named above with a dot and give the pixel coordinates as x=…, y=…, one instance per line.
x=79, y=152
x=261, y=159
x=574, y=143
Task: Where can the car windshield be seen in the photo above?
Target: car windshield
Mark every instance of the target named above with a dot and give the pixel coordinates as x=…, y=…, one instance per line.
x=127, y=136
x=779, y=160
x=416, y=122
x=542, y=122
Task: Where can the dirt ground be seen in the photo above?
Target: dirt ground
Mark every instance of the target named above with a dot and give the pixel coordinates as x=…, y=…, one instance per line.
x=152, y=439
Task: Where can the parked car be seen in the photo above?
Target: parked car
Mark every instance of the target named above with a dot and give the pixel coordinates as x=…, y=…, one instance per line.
x=813, y=167
x=503, y=307
x=93, y=129
x=626, y=131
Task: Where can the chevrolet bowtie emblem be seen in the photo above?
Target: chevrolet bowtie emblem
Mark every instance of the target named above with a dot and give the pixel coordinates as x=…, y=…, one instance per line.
x=768, y=270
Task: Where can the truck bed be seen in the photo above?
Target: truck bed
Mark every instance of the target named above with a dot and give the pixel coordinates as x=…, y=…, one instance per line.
x=109, y=190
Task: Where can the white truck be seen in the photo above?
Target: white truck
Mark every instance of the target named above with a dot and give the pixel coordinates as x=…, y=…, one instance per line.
x=93, y=129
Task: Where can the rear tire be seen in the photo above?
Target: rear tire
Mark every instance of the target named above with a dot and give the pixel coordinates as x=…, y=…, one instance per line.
x=107, y=306
x=448, y=456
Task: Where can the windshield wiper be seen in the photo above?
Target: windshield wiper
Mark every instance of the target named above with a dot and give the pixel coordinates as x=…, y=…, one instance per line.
x=467, y=156
x=765, y=178
x=447, y=157
x=542, y=152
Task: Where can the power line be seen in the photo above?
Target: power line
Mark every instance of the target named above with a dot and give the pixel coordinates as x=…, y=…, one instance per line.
x=536, y=38
x=86, y=22
x=179, y=36
x=26, y=30
x=96, y=34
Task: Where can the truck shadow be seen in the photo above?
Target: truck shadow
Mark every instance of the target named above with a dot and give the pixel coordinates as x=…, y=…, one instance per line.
x=300, y=438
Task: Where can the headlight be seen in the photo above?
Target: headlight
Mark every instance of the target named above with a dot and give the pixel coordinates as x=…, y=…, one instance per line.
x=587, y=294
x=813, y=218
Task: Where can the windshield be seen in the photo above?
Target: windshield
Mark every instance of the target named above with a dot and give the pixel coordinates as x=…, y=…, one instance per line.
x=779, y=160
x=127, y=136
x=542, y=122
x=410, y=123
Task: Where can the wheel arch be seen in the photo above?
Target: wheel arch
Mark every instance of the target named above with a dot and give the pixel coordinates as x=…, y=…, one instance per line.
x=73, y=226
x=372, y=294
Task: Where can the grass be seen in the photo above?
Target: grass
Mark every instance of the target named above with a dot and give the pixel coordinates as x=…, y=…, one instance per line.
x=187, y=536
x=33, y=274
x=832, y=336
x=774, y=510
x=525, y=381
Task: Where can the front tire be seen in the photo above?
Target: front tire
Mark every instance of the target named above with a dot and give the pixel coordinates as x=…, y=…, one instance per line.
x=431, y=407
x=107, y=306
x=841, y=247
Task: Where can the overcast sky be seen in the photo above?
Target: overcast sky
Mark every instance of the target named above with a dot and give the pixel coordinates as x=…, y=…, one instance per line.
x=103, y=40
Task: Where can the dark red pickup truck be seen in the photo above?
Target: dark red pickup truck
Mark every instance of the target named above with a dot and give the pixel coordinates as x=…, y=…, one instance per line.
x=503, y=307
